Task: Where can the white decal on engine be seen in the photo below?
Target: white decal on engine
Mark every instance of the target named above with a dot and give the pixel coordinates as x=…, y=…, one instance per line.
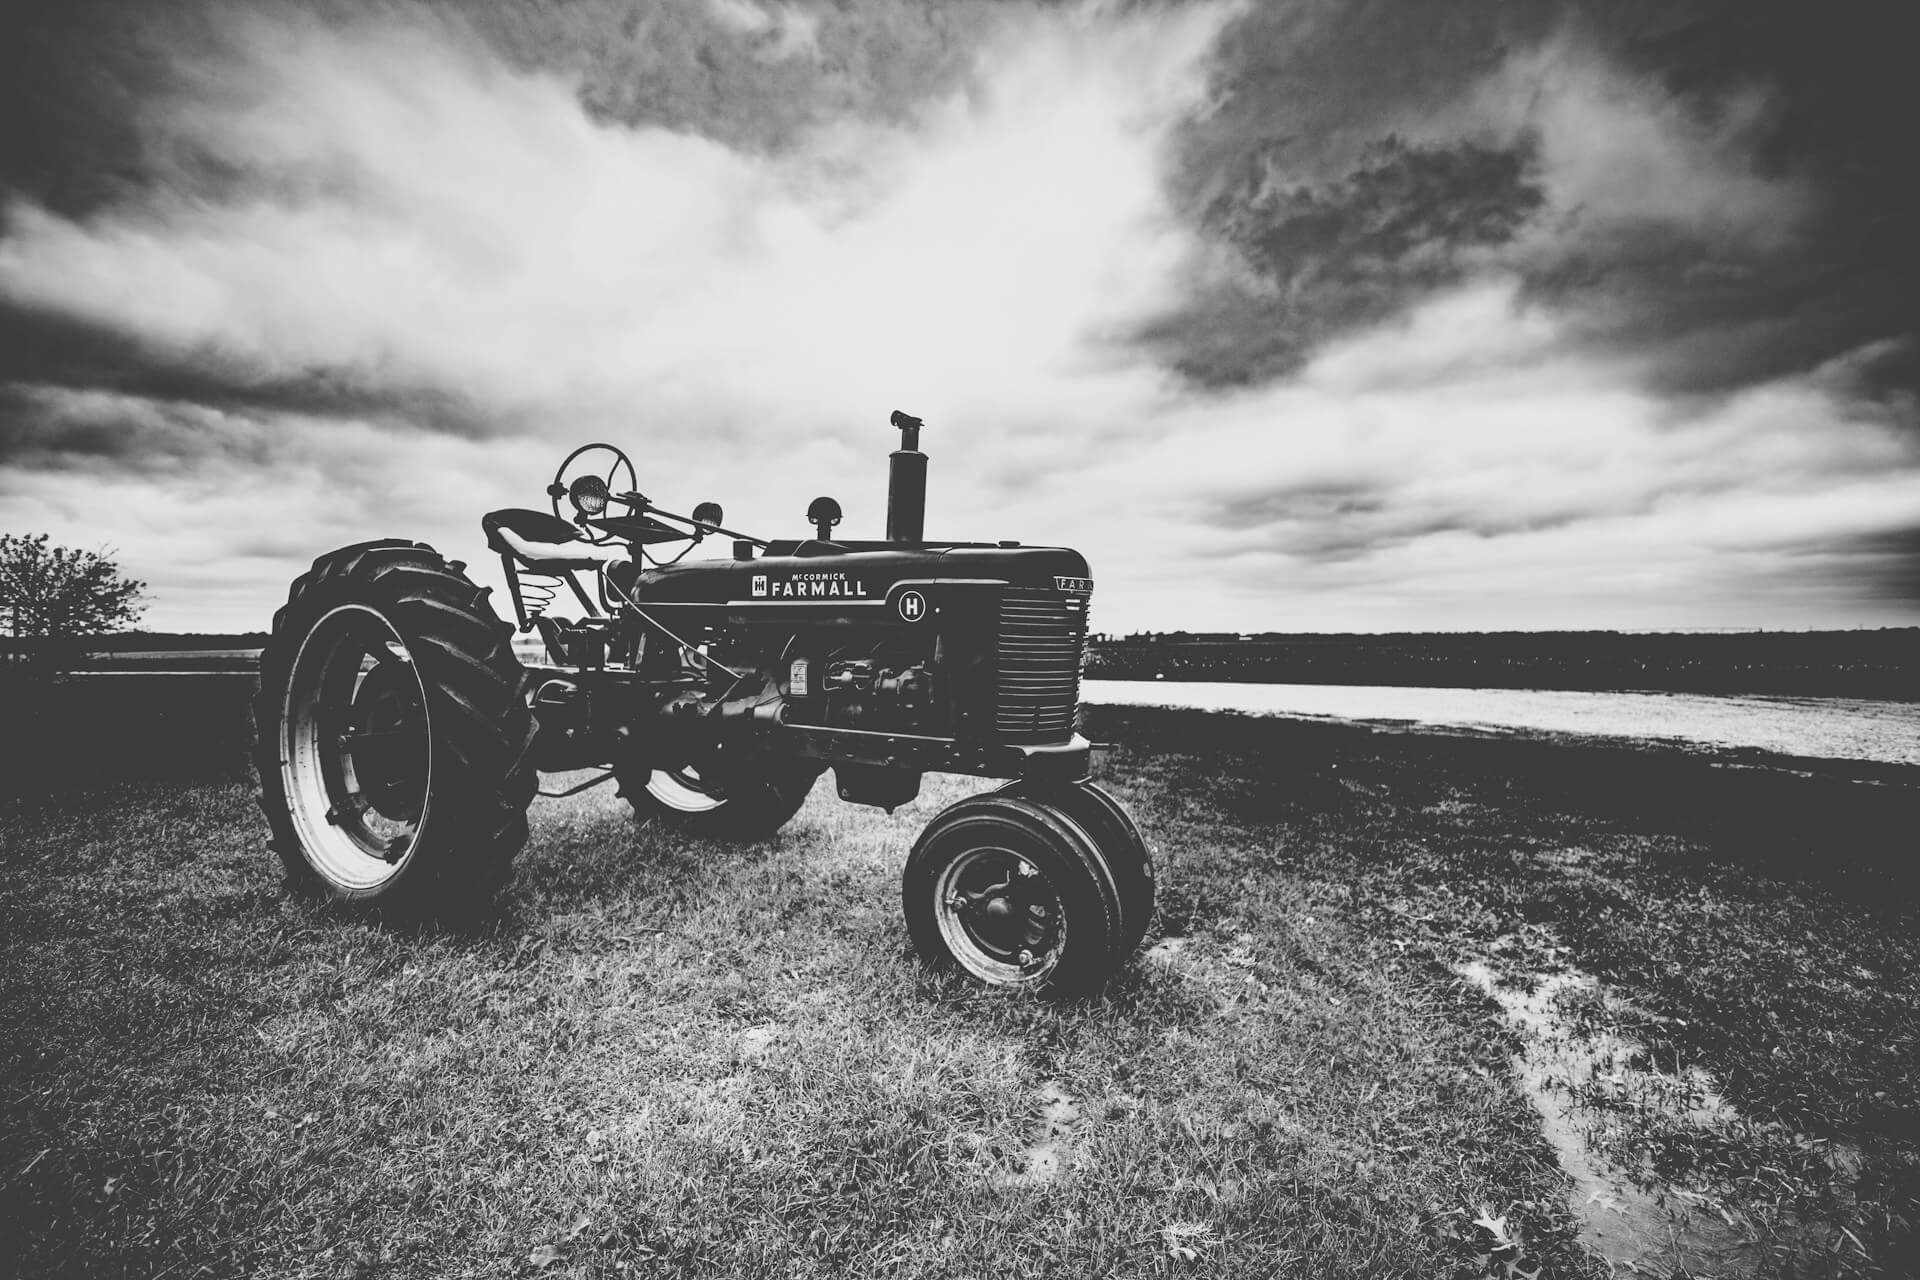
x=811, y=586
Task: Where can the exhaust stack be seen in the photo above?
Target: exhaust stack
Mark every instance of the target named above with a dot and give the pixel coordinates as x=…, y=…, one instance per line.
x=907, y=483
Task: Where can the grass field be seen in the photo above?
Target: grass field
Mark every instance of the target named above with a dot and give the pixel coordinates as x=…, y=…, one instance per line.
x=669, y=1057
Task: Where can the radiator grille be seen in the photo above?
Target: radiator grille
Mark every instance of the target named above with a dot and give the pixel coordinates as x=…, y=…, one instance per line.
x=1041, y=639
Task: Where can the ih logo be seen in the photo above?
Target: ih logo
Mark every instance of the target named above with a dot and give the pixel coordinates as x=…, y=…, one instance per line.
x=912, y=606
x=759, y=584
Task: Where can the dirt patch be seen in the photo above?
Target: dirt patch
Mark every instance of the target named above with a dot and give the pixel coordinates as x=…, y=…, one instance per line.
x=1609, y=1112
x=1055, y=1140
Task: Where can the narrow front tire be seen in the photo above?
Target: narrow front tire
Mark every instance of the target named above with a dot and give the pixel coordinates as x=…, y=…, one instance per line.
x=1012, y=893
x=1114, y=832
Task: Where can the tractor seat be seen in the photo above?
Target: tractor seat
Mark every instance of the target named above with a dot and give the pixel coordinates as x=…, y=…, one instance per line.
x=625, y=577
x=540, y=542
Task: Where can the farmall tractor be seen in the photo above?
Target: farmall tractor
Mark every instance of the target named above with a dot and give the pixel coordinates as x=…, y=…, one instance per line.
x=400, y=740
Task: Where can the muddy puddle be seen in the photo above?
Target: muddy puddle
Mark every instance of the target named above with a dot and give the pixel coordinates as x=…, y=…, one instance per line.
x=1604, y=1107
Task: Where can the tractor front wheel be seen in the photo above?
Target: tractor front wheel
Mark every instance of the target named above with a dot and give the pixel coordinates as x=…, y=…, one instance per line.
x=1113, y=831
x=1014, y=893
x=392, y=736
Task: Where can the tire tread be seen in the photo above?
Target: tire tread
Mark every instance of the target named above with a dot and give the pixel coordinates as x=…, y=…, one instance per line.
x=475, y=690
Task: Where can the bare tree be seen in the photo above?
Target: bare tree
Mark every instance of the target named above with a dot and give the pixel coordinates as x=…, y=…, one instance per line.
x=52, y=596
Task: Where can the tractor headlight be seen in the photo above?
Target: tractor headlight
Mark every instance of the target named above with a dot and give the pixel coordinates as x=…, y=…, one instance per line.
x=589, y=495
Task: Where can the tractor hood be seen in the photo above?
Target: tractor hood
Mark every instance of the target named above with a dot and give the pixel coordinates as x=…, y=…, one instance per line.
x=825, y=573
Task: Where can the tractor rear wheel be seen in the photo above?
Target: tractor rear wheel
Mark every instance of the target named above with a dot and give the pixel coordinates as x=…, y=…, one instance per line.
x=750, y=803
x=1014, y=893
x=392, y=735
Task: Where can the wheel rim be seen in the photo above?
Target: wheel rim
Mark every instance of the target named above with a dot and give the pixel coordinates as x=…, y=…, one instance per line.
x=683, y=790
x=356, y=749
x=999, y=916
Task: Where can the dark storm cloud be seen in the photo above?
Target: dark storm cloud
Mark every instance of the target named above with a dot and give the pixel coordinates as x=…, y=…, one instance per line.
x=46, y=351
x=106, y=106
x=1789, y=238
x=1328, y=258
x=746, y=74
x=1885, y=564
x=1843, y=103
x=1330, y=523
x=1304, y=502
x=75, y=75
x=1344, y=539
x=1346, y=169
x=70, y=87
x=45, y=428
x=169, y=423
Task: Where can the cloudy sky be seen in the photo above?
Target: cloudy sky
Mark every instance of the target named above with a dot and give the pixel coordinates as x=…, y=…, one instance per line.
x=1298, y=315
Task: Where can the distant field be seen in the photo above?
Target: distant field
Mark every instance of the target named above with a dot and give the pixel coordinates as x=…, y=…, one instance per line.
x=668, y=1057
x=1880, y=664
x=247, y=660
x=1731, y=724
x=90, y=730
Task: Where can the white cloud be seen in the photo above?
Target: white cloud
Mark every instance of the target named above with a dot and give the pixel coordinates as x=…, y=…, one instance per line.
x=1401, y=481
x=789, y=30
x=463, y=226
x=425, y=218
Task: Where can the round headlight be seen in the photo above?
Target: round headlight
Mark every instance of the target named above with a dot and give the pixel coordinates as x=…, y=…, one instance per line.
x=823, y=511
x=589, y=495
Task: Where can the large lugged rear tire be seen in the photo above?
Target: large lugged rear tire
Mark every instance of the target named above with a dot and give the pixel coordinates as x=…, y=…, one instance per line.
x=392, y=734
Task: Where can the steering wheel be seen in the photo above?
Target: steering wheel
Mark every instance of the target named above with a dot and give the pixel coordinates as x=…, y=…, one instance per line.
x=590, y=470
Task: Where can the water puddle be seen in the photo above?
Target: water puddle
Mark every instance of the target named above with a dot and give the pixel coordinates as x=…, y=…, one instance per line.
x=1604, y=1107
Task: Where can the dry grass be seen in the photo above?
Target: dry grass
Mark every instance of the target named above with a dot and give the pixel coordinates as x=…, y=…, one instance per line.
x=671, y=1057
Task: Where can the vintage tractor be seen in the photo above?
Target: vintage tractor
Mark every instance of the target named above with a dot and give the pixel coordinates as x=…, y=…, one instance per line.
x=399, y=738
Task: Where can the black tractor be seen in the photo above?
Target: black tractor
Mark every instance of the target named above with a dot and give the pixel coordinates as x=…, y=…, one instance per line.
x=400, y=738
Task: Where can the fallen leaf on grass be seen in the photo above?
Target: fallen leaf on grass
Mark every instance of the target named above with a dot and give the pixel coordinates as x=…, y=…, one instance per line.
x=545, y=1256
x=1497, y=1228
x=1186, y=1239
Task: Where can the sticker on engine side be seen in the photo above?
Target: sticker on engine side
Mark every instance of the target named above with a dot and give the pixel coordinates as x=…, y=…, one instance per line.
x=1074, y=584
x=808, y=586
